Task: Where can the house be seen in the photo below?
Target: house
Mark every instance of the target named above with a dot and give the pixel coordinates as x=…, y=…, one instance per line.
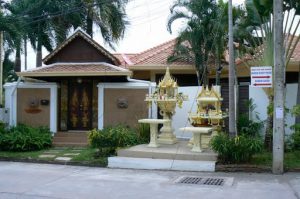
x=81, y=86
x=151, y=64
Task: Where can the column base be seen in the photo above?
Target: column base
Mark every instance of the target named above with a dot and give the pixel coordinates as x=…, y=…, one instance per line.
x=153, y=145
x=167, y=139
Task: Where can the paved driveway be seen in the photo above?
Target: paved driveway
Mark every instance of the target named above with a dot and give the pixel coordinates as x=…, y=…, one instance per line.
x=25, y=180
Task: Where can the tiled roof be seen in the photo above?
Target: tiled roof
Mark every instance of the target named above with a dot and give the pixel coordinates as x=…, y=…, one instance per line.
x=158, y=55
x=77, y=69
x=124, y=58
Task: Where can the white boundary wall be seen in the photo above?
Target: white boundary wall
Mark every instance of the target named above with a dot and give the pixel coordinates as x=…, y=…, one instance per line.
x=260, y=99
x=180, y=119
x=11, y=101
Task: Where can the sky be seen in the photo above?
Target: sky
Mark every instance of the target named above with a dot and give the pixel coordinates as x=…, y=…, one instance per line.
x=147, y=28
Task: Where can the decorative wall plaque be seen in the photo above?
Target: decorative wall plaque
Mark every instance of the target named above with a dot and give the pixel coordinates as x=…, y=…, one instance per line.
x=122, y=102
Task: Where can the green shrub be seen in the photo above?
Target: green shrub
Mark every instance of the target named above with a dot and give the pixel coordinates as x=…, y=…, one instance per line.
x=295, y=137
x=25, y=138
x=109, y=139
x=236, y=150
x=247, y=126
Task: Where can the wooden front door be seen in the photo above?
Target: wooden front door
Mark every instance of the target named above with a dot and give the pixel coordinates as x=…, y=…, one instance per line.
x=80, y=105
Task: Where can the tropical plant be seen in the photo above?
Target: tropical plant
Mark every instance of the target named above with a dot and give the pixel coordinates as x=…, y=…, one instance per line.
x=10, y=25
x=143, y=131
x=47, y=23
x=109, y=16
x=195, y=41
x=25, y=138
x=109, y=139
x=239, y=149
x=295, y=137
x=205, y=36
x=9, y=74
x=257, y=45
x=248, y=125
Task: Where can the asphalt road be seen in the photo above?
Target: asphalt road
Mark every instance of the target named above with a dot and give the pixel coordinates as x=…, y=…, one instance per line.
x=32, y=181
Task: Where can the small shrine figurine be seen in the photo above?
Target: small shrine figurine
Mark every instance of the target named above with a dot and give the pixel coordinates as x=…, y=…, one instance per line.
x=167, y=97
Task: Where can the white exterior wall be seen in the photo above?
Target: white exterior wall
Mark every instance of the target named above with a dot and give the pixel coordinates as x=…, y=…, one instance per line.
x=290, y=101
x=11, y=101
x=180, y=119
x=260, y=99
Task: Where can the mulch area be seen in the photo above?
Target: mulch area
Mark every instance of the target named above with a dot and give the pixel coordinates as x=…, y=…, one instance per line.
x=243, y=168
x=249, y=168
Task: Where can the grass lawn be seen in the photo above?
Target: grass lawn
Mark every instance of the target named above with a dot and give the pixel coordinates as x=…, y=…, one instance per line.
x=291, y=159
x=21, y=155
x=85, y=156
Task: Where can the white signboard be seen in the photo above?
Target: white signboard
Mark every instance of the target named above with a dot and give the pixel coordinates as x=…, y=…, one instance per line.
x=261, y=76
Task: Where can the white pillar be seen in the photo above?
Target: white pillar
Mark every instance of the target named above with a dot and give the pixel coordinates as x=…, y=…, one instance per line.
x=53, y=109
x=100, y=106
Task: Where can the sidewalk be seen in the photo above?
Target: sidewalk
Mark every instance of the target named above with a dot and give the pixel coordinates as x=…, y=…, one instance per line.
x=25, y=180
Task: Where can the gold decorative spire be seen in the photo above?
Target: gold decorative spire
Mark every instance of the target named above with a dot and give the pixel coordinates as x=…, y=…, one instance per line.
x=167, y=81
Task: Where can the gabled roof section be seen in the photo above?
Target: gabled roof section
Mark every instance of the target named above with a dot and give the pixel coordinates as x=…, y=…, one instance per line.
x=80, y=33
x=76, y=69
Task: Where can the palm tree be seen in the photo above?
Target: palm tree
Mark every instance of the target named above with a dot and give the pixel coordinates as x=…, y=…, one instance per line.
x=71, y=15
x=260, y=49
x=12, y=33
x=221, y=33
x=47, y=23
x=195, y=41
x=109, y=16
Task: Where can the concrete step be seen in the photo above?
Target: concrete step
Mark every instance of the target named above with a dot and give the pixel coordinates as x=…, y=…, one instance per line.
x=69, y=139
x=179, y=151
x=160, y=164
x=67, y=134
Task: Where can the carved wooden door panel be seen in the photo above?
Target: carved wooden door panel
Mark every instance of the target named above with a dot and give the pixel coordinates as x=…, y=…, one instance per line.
x=80, y=105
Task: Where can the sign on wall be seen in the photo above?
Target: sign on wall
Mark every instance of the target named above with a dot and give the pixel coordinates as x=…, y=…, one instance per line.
x=261, y=76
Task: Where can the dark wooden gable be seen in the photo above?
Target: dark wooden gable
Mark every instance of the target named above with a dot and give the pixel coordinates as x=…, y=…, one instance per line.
x=79, y=50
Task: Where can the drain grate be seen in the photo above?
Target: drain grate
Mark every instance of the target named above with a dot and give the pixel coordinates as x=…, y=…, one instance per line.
x=190, y=180
x=201, y=181
x=214, y=181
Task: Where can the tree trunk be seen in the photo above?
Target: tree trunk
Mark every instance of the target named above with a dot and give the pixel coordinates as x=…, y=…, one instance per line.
x=89, y=23
x=39, y=54
x=232, y=121
x=25, y=53
x=17, y=66
x=205, y=77
x=269, y=125
x=218, y=71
